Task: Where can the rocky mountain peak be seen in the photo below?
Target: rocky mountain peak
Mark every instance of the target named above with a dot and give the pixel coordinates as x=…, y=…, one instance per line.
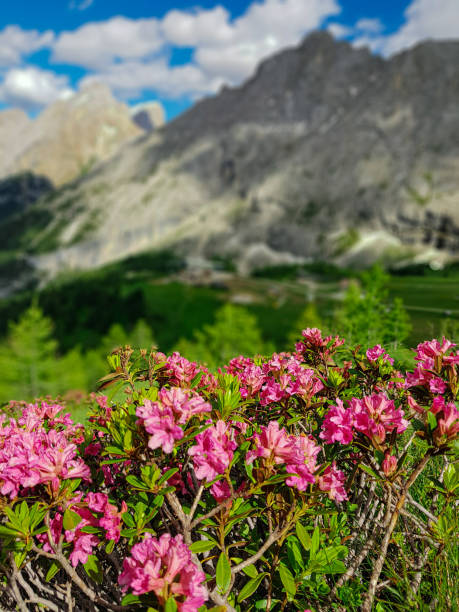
x=68, y=137
x=327, y=152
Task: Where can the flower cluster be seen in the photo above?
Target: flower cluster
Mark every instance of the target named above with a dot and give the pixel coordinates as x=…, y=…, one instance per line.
x=373, y=415
x=332, y=482
x=299, y=455
x=432, y=356
x=30, y=455
x=165, y=566
x=95, y=511
x=281, y=377
x=315, y=347
x=163, y=418
x=181, y=372
x=213, y=451
x=377, y=353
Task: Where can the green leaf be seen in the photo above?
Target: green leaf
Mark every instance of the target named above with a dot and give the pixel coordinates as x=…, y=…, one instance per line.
x=167, y=475
x=251, y=586
x=303, y=536
x=202, y=546
x=52, y=571
x=90, y=529
x=19, y=557
x=127, y=519
x=71, y=520
x=135, y=482
x=223, y=574
x=7, y=531
x=130, y=599
x=287, y=580
x=294, y=554
x=250, y=571
x=432, y=420
x=368, y=470
x=110, y=546
x=315, y=542
x=170, y=605
x=114, y=450
x=92, y=568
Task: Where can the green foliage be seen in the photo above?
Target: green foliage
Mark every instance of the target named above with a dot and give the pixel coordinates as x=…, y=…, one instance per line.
x=235, y=332
x=27, y=358
x=368, y=317
x=308, y=318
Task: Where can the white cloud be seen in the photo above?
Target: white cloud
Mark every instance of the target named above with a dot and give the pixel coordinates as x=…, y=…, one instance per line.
x=16, y=43
x=436, y=19
x=81, y=5
x=131, y=55
x=265, y=28
x=31, y=87
x=338, y=30
x=369, y=26
x=129, y=79
x=197, y=28
x=97, y=45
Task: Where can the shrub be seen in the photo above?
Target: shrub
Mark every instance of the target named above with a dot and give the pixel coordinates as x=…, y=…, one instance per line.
x=281, y=483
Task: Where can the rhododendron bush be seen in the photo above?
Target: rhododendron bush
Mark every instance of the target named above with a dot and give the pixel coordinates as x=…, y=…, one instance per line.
x=285, y=482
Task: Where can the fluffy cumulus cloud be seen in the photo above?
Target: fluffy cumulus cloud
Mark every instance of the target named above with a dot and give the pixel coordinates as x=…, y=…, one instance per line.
x=131, y=55
x=15, y=43
x=32, y=88
x=98, y=45
x=423, y=19
x=80, y=5
x=435, y=19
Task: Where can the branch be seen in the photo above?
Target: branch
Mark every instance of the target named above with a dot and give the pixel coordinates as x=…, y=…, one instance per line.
x=271, y=539
x=377, y=569
x=195, y=504
x=71, y=573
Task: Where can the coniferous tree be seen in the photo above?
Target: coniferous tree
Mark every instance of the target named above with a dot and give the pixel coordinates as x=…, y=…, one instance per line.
x=235, y=332
x=28, y=357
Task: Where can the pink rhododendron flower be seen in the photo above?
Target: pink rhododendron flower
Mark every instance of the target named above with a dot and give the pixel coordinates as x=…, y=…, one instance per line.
x=93, y=449
x=165, y=567
x=313, y=336
x=332, y=482
x=183, y=404
x=30, y=455
x=213, y=451
x=181, y=372
x=437, y=385
x=84, y=543
x=220, y=491
x=275, y=445
x=304, y=470
x=389, y=464
x=337, y=425
x=159, y=422
x=431, y=349
x=447, y=424
x=374, y=353
x=375, y=415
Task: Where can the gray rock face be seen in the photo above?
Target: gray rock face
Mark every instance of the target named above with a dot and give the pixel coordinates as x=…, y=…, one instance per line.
x=70, y=136
x=326, y=152
x=149, y=116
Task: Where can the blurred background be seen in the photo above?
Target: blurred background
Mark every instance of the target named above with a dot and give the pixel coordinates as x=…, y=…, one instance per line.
x=215, y=178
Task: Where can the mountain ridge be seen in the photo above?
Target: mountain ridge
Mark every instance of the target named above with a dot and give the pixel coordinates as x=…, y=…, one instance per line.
x=326, y=152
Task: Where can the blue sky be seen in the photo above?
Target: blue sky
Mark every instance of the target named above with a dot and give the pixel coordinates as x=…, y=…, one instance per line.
x=181, y=50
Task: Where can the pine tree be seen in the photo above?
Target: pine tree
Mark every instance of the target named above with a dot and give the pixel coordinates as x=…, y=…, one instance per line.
x=235, y=332
x=367, y=315
x=28, y=358
x=308, y=318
